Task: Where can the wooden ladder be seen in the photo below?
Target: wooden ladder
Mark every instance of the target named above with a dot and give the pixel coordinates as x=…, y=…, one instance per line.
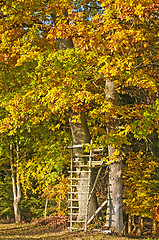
x=75, y=223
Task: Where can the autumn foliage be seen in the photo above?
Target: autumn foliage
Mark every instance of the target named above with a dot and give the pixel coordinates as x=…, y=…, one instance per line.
x=113, y=41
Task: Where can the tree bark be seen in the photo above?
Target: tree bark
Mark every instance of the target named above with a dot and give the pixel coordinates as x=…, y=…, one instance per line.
x=81, y=135
x=15, y=183
x=114, y=209
x=46, y=206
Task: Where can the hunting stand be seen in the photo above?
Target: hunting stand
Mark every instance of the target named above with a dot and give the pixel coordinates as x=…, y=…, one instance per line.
x=86, y=167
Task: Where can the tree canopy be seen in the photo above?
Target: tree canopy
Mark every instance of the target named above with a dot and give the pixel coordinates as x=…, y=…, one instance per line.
x=114, y=41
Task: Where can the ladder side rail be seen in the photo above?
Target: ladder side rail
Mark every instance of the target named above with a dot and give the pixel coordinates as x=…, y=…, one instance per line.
x=71, y=190
x=89, y=180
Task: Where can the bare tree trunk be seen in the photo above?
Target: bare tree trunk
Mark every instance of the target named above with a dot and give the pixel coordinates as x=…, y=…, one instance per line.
x=15, y=182
x=114, y=210
x=46, y=206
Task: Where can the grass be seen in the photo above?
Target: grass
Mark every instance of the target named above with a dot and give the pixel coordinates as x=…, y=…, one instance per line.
x=32, y=232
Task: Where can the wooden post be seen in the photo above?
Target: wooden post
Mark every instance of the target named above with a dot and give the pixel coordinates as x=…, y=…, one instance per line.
x=141, y=225
x=129, y=224
x=154, y=228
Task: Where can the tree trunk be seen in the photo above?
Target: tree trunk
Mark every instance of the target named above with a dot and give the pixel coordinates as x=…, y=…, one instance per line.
x=114, y=210
x=80, y=134
x=46, y=206
x=15, y=183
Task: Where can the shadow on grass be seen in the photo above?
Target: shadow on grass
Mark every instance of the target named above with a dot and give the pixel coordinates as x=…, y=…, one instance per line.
x=32, y=232
x=12, y=231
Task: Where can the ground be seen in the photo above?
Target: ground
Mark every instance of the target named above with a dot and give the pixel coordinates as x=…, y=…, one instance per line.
x=44, y=232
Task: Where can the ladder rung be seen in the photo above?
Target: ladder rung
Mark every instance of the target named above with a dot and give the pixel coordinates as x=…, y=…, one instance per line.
x=92, y=162
x=77, y=192
x=76, y=214
x=82, y=156
x=83, y=166
x=98, y=150
x=77, y=146
x=80, y=221
x=73, y=207
x=79, y=178
x=79, y=172
x=97, y=162
x=79, y=185
x=89, y=156
x=75, y=228
x=76, y=200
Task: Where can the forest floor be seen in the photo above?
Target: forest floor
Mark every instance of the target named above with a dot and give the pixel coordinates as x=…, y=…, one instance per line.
x=44, y=232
